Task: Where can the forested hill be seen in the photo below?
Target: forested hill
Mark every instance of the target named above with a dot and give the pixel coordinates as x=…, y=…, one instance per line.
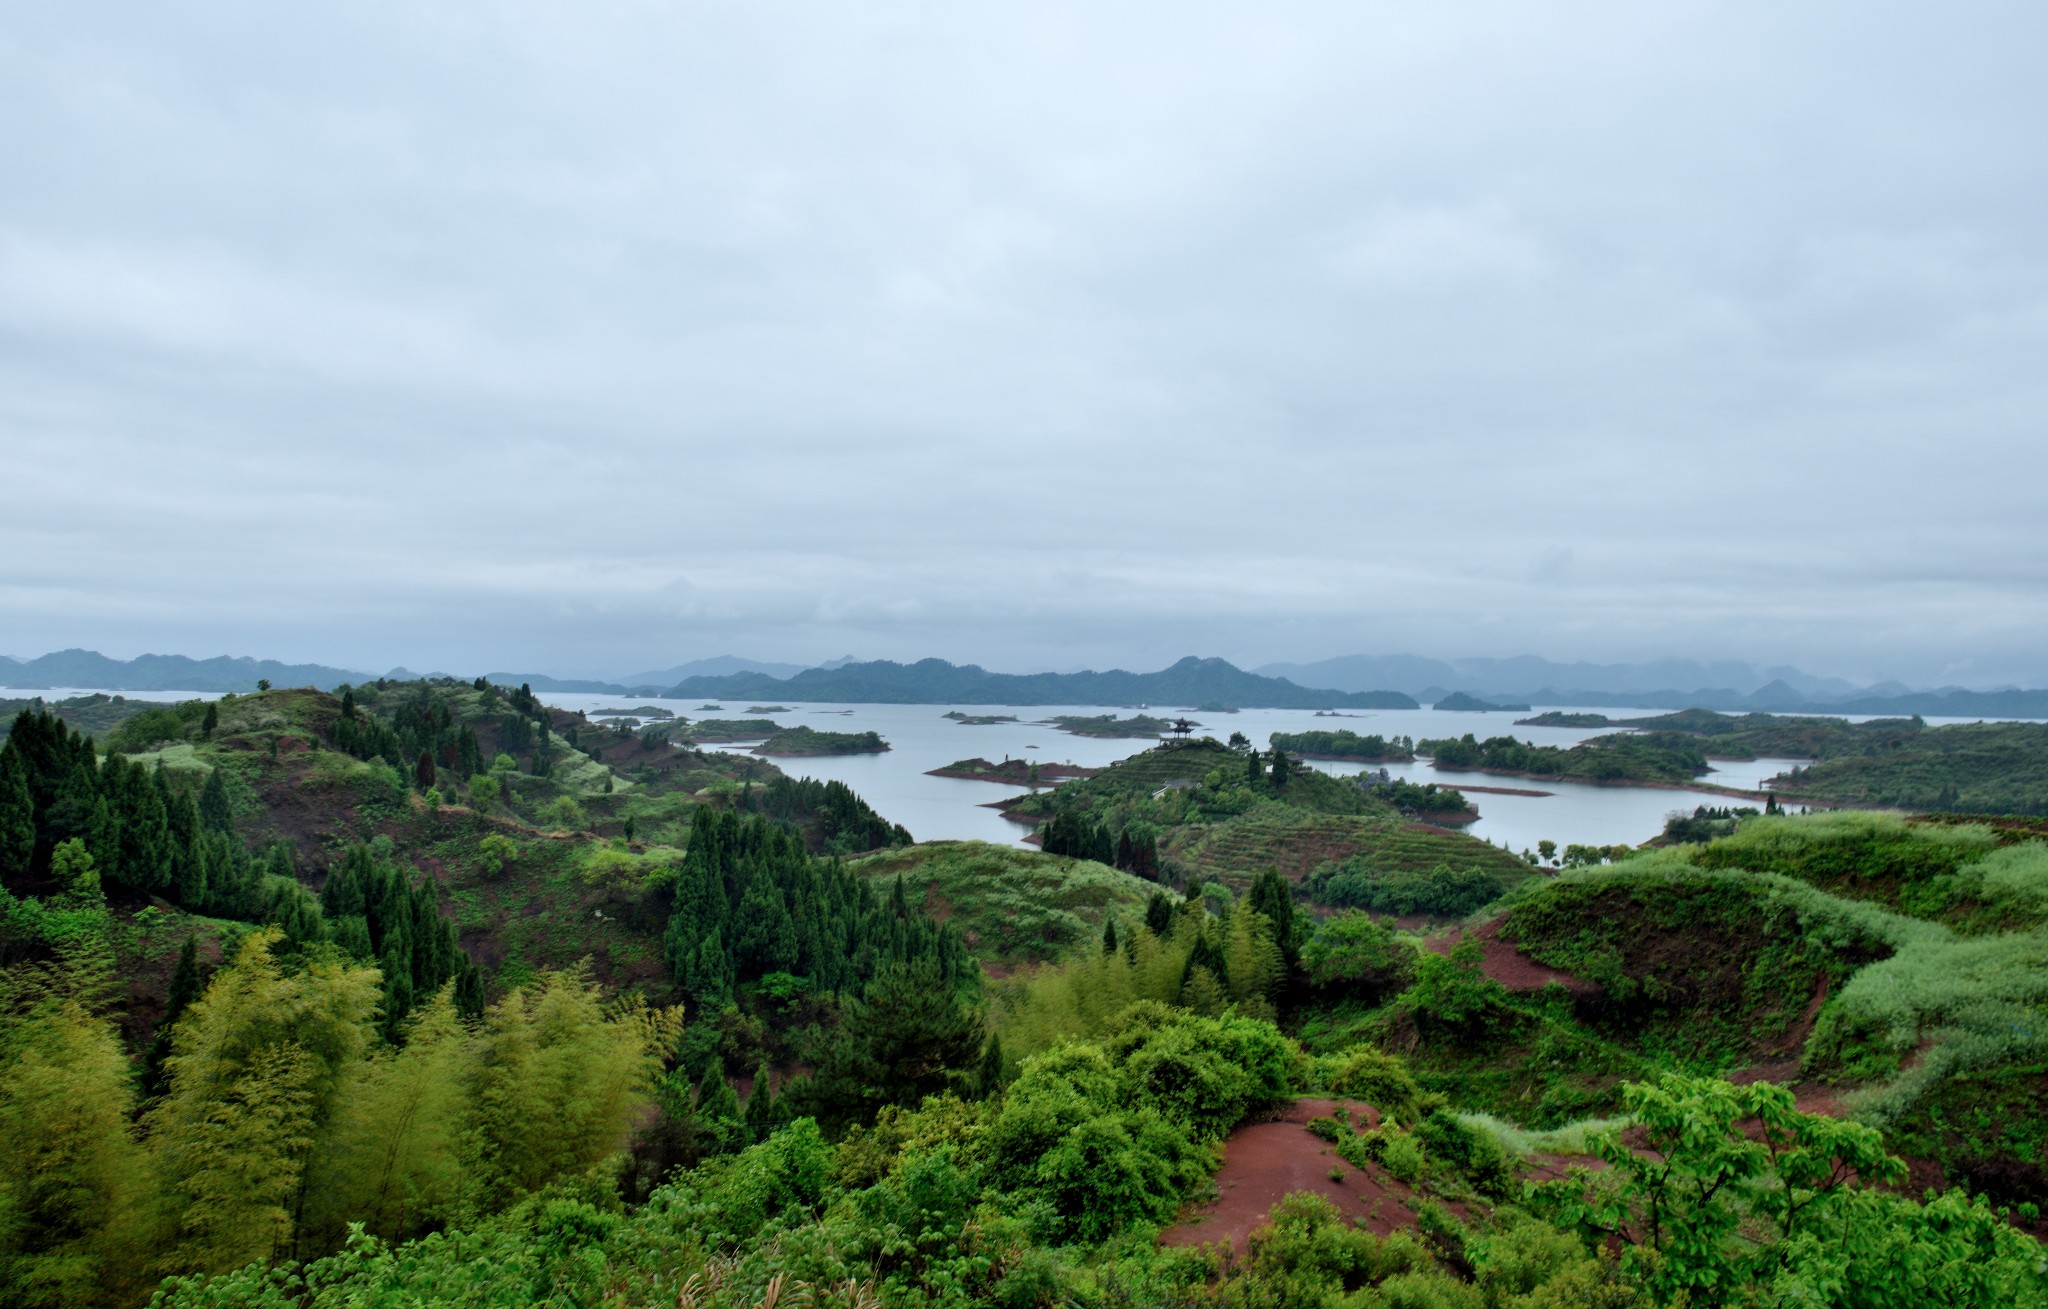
x=89, y=668
x=934, y=681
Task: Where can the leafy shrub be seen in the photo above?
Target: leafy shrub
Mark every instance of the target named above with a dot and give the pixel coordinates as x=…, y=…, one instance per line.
x=1443, y=891
x=1351, y=953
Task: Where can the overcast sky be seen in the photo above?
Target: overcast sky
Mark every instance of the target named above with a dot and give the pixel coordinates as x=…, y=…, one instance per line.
x=598, y=337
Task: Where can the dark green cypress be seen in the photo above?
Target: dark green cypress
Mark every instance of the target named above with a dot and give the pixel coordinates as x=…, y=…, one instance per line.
x=1159, y=914
x=760, y=1116
x=214, y=813
x=1109, y=936
x=17, y=816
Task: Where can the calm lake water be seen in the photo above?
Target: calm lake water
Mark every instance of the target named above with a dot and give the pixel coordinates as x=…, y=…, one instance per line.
x=944, y=808
x=936, y=808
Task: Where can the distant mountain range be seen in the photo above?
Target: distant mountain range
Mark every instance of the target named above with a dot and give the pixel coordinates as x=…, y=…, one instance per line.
x=1189, y=683
x=89, y=668
x=1355, y=681
x=1727, y=685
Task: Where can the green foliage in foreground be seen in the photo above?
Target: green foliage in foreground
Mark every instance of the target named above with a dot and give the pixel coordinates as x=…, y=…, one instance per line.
x=1013, y=906
x=1050, y=1194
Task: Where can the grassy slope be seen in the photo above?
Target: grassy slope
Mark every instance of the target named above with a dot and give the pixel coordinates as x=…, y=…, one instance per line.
x=1297, y=841
x=1013, y=906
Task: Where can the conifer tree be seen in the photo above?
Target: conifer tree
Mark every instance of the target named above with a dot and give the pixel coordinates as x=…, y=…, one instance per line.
x=718, y=1110
x=989, y=1076
x=1252, y=773
x=17, y=817
x=211, y=721
x=1271, y=896
x=1109, y=936
x=214, y=813
x=760, y=1115
x=1283, y=768
x=1159, y=914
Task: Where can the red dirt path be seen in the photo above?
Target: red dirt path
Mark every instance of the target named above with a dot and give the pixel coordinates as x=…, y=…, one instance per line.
x=1264, y=1161
x=1505, y=963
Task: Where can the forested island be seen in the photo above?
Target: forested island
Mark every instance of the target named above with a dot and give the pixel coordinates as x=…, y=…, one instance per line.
x=1345, y=744
x=1110, y=726
x=1465, y=702
x=809, y=741
x=1623, y=757
x=426, y=992
x=724, y=731
x=979, y=720
x=1015, y=772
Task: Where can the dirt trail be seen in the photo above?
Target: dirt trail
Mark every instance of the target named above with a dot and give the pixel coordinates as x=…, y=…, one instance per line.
x=1264, y=1161
x=1505, y=963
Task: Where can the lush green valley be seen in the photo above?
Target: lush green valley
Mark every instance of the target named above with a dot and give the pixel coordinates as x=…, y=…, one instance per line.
x=426, y=993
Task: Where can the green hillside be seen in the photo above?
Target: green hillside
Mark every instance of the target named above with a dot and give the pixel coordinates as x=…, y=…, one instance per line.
x=1012, y=906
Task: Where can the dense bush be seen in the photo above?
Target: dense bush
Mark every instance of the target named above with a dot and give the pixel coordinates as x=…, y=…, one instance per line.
x=1442, y=891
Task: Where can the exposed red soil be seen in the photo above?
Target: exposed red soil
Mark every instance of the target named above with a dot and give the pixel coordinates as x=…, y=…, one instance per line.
x=1262, y=1162
x=1505, y=963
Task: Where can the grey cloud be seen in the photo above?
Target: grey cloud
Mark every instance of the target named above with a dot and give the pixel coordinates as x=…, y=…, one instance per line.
x=1065, y=334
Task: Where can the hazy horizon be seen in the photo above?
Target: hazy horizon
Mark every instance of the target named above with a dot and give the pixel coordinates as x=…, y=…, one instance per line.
x=1074, y=336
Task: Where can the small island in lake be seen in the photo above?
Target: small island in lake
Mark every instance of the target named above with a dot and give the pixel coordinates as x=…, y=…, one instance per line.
x=716, y=708
x=810, y=741
x=1110, y=726
x=1011, y=772
x=1460, y=702
x=1345, y=744
x=979, y=720
x=1555, y=718
x=644, y=711
x=768, y=709
x=723, y=730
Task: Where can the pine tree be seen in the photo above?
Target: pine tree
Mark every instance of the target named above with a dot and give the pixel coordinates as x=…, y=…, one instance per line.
x=989, y=1077
x=1283, y=768
x=17, y=817
x=1271, y=896
x=718, y=1110
x=1109, y=936
x=1251, y=769
x=348, y=702
x=760, y=1115
x=423, y=771
x=1159, y=914
x=209, y=722
x=214, y=813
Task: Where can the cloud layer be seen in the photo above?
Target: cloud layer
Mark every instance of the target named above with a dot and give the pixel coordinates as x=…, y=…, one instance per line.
x=601, y=338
